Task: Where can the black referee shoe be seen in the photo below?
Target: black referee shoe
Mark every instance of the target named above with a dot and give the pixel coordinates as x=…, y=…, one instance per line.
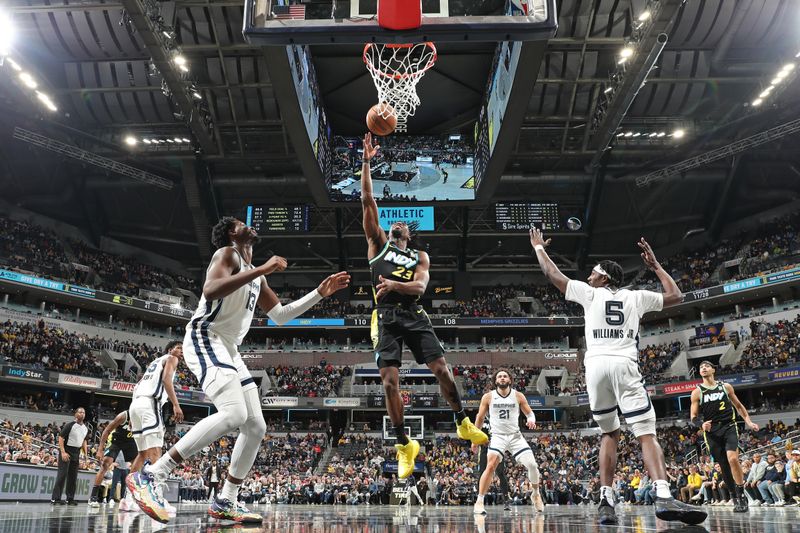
x=57, y=502
x=670, y=509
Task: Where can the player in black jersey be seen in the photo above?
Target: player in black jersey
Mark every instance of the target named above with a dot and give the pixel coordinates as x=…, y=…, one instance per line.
x=500, y=471
x=399, y=277
x=117, y=436
x=718, y=404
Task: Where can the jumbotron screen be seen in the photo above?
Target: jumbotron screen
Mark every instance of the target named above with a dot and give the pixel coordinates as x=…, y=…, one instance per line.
x=278, y=219
x=522, y=216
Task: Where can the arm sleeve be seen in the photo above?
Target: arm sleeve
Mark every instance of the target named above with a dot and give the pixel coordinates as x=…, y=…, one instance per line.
x=649, y=301
x=579, y=292
x=65, y=431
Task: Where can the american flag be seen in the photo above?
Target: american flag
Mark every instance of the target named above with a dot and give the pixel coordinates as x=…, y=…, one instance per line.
x=294, y=12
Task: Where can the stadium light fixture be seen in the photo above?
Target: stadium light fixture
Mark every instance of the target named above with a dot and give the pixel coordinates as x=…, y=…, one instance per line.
x=645, y=16
x=678, y=134
x=170, y=141
x=629, y=134
x=626, y=52
x=197, y=95
x=28, y=80
x=14, y=64
x=637, y=134
x=46, y=101
x=608, y=90
x=179, y=60
x=766, y=91
x=782, y=74
x=661, y=134
x=652, y=134
x=178, y=140
x=187, y=141
x=757, y=102
x=130, y=140
x=788, y=67
x=146, y=141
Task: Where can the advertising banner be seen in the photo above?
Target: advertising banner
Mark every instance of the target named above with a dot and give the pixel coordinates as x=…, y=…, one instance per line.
x=536, y=401
x=122, y=386
x=279, y=401
x=25, y=373
x=80, y=381
x=785, y=373
x=341, y=402
x=682, y=387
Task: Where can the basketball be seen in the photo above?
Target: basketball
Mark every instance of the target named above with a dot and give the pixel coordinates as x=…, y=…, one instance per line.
x=376, y=122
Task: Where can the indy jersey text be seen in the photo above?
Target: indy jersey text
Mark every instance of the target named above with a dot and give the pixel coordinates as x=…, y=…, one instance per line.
x=716, y=407
x=395, y=264
x=612, y=317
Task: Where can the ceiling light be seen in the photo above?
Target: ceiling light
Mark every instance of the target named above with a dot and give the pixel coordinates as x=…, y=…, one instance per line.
x=179, y=60
x=782, y=74
x=28, y=80
x=183, y=68
x=170, y=141
x=788, y=67
x=652, y=134
x=178, y=140
x=197, y=95
x=626, y=52
x=14, y=64
x=661, y=134
x=146, y=141
x=766, y=92
x=187, y=141
x=166, y=34
x=620, y=134
x=645, y=16
x=46, y=101
x=629, y=134
x=130, y=140
x=637, y=134
x=678, y=134
x=608, y=90
x=757, y=102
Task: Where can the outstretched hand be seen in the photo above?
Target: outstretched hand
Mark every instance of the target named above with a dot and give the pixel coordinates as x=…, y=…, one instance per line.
x=369, y=149
x=538, y=238
x=333, y=283
x=648, y=256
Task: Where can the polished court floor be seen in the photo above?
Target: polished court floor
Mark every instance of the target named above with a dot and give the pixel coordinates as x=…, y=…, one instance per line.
x=41, y=518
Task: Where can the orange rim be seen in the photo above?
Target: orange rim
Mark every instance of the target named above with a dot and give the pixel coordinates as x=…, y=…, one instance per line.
x=372, y=67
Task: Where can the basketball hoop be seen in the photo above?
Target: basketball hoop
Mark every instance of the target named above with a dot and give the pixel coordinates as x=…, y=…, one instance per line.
x=396, y=69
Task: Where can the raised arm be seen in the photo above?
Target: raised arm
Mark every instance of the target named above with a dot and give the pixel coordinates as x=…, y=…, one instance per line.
x=672, y=294
x=740, y=408
x=549, y=268
x=221, y=280
x=415, y=287
x=376, y=237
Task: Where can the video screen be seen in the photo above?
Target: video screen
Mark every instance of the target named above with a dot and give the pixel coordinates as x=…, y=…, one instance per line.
x=407, y=168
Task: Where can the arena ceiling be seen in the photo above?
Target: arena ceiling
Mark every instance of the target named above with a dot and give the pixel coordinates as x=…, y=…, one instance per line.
x=98, y=66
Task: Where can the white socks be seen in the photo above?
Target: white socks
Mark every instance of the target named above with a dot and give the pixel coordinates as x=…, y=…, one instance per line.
x=480, y=499
x=163, y=466
x=608, y=494
x=230, y=491
x=662, y=488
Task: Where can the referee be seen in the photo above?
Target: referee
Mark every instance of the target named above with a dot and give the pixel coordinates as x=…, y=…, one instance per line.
x=71, y=442
x=500, y=471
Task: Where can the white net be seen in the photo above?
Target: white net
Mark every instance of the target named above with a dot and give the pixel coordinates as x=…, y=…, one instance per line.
x=396, y=69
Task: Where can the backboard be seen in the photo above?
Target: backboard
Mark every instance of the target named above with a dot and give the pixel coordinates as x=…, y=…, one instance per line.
x=276, y=22
x=414, y=424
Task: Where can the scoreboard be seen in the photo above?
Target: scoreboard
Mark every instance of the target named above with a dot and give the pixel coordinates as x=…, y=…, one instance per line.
x=278, y=219
x=522, y=216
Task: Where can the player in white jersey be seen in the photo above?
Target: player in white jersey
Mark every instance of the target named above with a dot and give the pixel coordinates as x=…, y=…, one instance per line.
x=232, y=289
x=613, y=380
x=504, y=404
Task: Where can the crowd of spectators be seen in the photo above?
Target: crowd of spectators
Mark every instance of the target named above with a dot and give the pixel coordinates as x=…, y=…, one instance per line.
x=27, y=246
x=323, y=380
x=655, y=360
x=478, y=379
x=772, y=344
x=45, y=348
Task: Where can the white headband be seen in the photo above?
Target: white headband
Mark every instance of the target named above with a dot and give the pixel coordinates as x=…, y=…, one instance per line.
x=599, y=270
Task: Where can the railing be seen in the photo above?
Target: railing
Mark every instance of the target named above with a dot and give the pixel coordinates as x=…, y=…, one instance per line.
x=38, y=444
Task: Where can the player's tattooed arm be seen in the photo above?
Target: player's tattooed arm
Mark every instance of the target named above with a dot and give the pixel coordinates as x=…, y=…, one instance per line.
x=376, y=237
x=549, y=268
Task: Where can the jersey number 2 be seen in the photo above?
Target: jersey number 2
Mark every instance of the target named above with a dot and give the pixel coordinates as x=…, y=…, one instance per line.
x=614, y=314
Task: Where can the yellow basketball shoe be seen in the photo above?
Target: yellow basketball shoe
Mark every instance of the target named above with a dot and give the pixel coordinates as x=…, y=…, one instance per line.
x=468, y=431
x=406, y=454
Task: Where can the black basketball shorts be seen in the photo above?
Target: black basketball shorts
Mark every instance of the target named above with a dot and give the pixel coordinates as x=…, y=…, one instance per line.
x=394, y=327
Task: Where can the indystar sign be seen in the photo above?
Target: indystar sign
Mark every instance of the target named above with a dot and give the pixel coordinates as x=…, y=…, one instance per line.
x=25, y=373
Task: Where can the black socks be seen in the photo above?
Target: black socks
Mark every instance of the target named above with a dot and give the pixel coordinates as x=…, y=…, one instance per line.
x=459, y=416
x=402, y=438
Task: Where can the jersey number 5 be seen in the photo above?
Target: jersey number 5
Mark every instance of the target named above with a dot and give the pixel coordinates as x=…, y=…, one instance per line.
x=614, y=314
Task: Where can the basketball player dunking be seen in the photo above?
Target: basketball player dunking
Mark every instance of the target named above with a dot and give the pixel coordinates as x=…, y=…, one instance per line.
x=232, y=289
x=613, y=380
x=718, y=404
x=399, y=277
